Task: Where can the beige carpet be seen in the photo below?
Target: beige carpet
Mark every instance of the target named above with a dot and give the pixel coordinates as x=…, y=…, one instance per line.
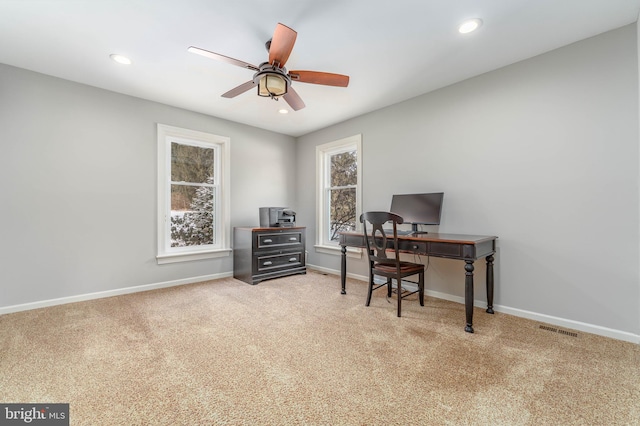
x=294, y=351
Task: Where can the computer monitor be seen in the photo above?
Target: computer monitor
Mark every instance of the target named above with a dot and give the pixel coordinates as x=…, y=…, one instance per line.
x=418, y=209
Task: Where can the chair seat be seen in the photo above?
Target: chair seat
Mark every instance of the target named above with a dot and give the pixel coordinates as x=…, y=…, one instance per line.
x=406, y=268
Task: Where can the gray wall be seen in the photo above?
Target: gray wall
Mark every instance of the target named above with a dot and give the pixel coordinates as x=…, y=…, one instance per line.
x=543, y=154
x=78, y=187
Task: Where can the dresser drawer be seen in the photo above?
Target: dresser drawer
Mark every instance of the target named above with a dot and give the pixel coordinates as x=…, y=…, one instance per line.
x=269, y=262
x=281, y=239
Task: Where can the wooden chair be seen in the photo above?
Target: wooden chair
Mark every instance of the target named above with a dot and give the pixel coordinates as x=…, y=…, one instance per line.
x=392, y=268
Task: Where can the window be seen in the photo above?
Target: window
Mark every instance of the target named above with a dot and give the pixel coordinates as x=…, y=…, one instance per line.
x=193, y=195
x=339, y=170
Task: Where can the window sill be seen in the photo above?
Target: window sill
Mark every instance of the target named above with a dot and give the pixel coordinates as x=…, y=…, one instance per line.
x=352, y=252
x=187, y=257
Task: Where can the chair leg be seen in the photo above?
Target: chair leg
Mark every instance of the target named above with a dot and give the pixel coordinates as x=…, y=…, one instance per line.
x=421, y=288
x=399, y=296
x=370, y=289
x=389, y=287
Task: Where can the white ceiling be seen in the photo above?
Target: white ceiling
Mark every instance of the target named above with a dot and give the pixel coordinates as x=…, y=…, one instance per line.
x=392, y=50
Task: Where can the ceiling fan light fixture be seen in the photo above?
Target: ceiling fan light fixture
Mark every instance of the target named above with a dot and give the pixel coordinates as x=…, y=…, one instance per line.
x=470, y=25
x=272, y=85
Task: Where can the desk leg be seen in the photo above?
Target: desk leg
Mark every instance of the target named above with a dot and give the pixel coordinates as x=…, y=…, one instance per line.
x=343, y=270
x=490, y=284
x=468, y=295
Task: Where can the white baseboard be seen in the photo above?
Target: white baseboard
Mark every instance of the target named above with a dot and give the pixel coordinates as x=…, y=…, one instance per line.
x=571, y=324
x=548, y=319
x=109, y=293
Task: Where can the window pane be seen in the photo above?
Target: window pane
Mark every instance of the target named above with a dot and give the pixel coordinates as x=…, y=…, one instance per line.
x=344, y=167
x=191, y=163
x=192, y=215
x=343, y=212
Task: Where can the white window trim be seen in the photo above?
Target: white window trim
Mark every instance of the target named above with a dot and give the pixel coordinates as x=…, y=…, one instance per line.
x=165, y=135
x=322, y=152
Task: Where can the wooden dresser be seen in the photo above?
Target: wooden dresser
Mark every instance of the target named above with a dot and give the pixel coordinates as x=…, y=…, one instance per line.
x=263, y=253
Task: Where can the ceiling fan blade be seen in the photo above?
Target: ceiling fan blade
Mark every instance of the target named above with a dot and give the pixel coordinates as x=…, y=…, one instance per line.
x=315, y=77
x=293, y=99
x=219, y=57
x=239, y=90
x=281, y=44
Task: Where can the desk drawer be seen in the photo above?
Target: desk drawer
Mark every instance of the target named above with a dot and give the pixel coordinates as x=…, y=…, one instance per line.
x=352, y=240
x=445, y=249
x=412, y=246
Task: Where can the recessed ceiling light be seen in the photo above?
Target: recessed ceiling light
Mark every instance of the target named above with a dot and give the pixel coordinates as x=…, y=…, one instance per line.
x=283, y=111
x=120, y=59
x=470, y=25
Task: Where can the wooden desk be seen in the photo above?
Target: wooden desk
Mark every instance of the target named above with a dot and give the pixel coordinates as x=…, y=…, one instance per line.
x=451, y=246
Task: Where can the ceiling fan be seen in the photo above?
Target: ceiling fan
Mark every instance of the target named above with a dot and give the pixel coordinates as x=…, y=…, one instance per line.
x=271, y=78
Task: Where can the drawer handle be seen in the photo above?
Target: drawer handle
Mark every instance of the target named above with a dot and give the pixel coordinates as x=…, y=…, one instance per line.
x=293, y=259
x=267, y=241
x=293, y=239
x=267, y=263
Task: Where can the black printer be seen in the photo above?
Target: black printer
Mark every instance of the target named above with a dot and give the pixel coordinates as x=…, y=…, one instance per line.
x=280, y=217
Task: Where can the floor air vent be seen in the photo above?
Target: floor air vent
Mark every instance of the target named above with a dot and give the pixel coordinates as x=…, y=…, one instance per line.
x=555, y=330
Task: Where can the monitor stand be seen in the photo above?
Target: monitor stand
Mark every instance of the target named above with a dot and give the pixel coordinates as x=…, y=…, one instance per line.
x=414, y=230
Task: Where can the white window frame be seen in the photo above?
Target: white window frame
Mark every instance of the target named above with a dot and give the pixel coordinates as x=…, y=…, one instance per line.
x=221, y=146
x=323, y=163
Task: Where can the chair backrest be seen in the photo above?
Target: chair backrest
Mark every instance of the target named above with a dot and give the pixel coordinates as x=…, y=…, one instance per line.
x=377, y=238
